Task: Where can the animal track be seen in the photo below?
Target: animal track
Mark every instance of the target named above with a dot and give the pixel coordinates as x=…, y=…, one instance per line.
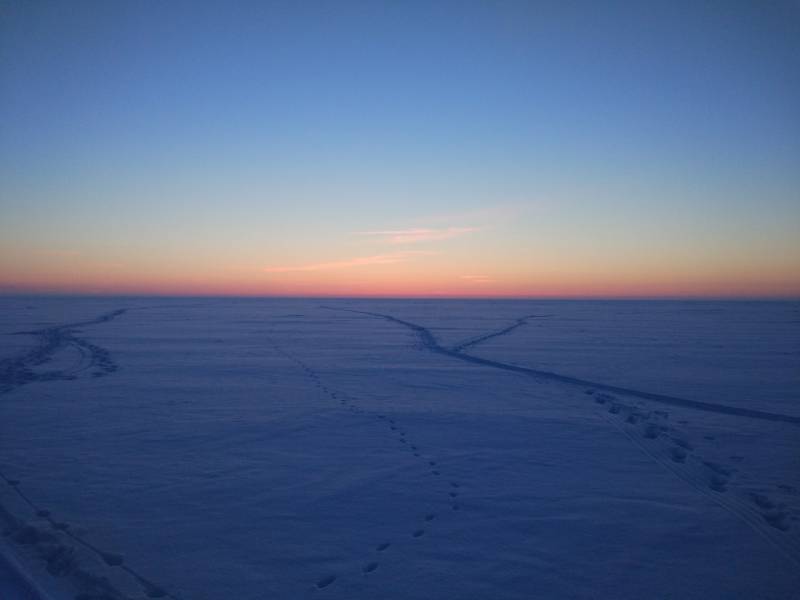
x=394, y=429
x=777, y=519
x=762, y=501
x=652, y=431
x=649, y=431
x=672, y=450
x=677, y=454
x=429, y=342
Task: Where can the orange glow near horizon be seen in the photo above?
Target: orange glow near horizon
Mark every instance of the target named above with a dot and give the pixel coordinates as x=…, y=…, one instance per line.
x=460, y=262
x=409, y=285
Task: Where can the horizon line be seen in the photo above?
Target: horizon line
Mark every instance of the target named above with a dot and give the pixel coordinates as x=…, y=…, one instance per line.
x=696, y=298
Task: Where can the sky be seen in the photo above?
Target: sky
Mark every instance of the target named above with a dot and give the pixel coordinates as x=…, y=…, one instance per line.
x=455, y=149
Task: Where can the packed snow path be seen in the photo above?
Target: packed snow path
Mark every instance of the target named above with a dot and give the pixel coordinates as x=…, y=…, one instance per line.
x=60, y=558
x=429, y=341
x=21, y=370
x=709, y=478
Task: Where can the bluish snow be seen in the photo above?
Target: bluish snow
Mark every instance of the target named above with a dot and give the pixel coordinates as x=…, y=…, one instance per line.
x=344, y=449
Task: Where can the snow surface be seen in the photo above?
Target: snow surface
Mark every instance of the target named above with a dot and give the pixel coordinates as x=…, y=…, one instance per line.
x=384, y=449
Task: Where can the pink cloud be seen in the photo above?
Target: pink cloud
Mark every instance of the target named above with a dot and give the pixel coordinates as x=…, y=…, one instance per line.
x=378, y=259
x=477, y=278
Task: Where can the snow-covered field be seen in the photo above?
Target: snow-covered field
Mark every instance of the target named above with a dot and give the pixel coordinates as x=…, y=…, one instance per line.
x=250, y=449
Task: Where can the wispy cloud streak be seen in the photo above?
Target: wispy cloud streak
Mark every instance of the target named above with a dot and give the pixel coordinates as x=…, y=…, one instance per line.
x=477, y=278
x=378, y=259
x=418, y=235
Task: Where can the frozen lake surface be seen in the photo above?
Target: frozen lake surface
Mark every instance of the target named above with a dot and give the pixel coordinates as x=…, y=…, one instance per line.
x=251, y=449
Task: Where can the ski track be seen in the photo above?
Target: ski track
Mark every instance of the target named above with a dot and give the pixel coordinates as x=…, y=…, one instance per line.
x=430, y=343
x=18, y=371
x=447, y=486
x=60, y=557
x=671, y=449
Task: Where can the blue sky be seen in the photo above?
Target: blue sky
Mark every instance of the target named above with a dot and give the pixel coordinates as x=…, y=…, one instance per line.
x=639, y=148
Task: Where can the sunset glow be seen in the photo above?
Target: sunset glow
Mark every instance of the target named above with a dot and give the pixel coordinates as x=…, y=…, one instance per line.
x=518, y=151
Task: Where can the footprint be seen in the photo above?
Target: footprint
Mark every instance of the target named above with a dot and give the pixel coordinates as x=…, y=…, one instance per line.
x=112, y=560
x=652, y=431
x=455, y=506
x=155, y=592
x=432, y=463
x=683, y=443
x=435, y=472
x=430, y=517
x=454, y=484
x=453, y=494
x=370, y=567
x=382, y=547
x=325, y=581
x=763, y=501
x=677, y=454
x=717, y=468
x=777, y=518
x=718, y=483
x=418, y=533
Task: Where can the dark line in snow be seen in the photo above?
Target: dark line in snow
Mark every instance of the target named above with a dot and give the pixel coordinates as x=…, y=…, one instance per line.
x=17, y=371
x=484, y=338
x=430, y=343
